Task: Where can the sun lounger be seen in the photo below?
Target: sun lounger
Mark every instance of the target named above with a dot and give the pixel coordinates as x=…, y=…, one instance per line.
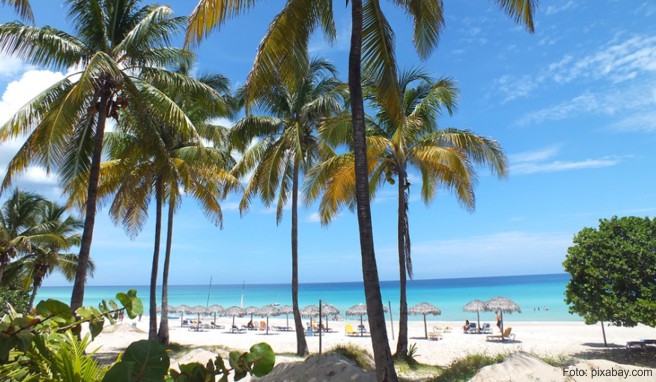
x=215, y=326
x=642, y=344
x=507, y=335
x=348, y=330
x=486, y=328
x=447, y=329
x=236, y=329
x=472, y=329
x=436, y=334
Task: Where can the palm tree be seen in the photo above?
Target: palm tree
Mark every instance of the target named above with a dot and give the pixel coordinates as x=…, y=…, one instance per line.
x=155, y=161
x=288, y=147
x=22, y=7
x=442, y=156
x=282, y=53
x=117, y=45
x=46, y=257
x=18, y=215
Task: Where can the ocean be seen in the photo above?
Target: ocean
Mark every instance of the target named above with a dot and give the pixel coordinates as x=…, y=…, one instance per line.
x=541, y=297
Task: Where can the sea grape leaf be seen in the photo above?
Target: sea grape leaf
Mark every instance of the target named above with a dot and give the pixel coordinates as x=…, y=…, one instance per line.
x=55, y=309
x=131, y=302
x=7, y=342
x=263, y=359
x=151, y=363
x=96, y=326
x=120, y=372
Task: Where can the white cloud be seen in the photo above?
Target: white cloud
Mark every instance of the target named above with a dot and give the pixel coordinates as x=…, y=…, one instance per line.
x=11, y=66
x=313, y=218
x=541, y=161
x=557, y=8
x=642, y=121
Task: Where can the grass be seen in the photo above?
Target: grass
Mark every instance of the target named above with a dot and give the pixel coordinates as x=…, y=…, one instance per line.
x=358, y=355
x=559, y=361
x=464, y=369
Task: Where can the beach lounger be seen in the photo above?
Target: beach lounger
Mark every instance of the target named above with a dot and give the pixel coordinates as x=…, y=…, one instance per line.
x=642, y=344
x=486, y=328
x=215, y=326
x=472, y=329
x=436, y=334
x=348, y=330
x=447, y=329
x=507, y=335
x=236, y=329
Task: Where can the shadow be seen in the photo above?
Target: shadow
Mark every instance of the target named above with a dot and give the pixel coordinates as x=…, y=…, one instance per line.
x=106, y=358
x=602, y=346
x=639, y=357
x=418, y=338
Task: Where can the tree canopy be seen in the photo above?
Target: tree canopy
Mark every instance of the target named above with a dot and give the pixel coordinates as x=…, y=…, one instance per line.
x=613, y=270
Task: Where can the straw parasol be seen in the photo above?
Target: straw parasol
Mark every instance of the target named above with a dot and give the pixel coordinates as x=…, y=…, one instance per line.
x=425, y=308
x=286, y=310
x=234, y=311
x=251, y=310
x=326, y=310
x=310, y=311
x=359, y=310
x=501, y=305
x=266, y=311
x=198, y=309
x=182, y=309
x=475, y=306
x=216, y=309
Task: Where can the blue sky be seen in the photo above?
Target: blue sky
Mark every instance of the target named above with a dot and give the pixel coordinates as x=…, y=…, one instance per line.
x=573, y=105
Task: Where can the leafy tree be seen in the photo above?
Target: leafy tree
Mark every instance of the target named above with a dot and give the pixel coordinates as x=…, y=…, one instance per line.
x=613, y=270
x=283, y=53
x=120, y=48
x=46, y=256
x=12, y=292
x=22, y=7
x=150, y=159
x=288, y=147
x=444, y=157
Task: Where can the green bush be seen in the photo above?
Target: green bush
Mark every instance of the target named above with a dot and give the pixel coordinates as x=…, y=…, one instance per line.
x=13, y=293
x=358, y=355
x=464, y=369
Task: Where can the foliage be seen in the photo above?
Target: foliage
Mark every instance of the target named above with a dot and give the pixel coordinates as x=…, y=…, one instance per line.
x=44, y=346
x=465, y=368
x=358, y=355
x=613, y=270
x=412, y=354
x=11, y=292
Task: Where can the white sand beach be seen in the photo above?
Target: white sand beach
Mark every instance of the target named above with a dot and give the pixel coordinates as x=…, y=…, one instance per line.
x=540, y=338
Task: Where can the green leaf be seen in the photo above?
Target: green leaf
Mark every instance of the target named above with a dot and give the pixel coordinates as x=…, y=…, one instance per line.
x=96, y=326
x=84, y=313
x=6, y=344
x=151, y=363
x=131, y=303
x=120, y=372
x=24, y=340
x=264, y=359
x=54, y=308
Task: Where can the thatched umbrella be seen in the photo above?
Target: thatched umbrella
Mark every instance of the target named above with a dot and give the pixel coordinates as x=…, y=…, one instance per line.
x=360, y=310
x=198, y=309
x=425, y=308
x=501, y=305
x=234, y=311
x=182, y=309
x=326, y=310
x=475, y=306
x=216, y=309
x=311, y=311
x=286, y=310
x=266, y=311
x=251, y=310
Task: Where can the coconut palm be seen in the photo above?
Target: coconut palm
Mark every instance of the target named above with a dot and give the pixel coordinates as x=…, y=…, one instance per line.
x=46, y=257
x=18, y=216
x=283, y=51
x=22, y=7
x=115, y=57
x=442, y=156
x=162, y=170
x=288, y=148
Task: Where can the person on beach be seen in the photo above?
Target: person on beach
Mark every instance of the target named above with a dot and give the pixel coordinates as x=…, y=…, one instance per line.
x=250, y=325
x=498, y=320
x=465, y=327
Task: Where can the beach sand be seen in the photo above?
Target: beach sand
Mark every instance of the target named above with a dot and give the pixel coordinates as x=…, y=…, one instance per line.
x=553, y=339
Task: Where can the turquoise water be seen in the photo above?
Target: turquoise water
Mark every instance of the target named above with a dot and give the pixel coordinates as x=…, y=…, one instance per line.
x=450, y=295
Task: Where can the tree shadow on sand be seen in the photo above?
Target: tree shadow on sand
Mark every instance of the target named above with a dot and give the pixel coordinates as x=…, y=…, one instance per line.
x=620, y=354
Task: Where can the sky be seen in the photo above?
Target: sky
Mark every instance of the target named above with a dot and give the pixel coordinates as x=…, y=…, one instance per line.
x=573, y=106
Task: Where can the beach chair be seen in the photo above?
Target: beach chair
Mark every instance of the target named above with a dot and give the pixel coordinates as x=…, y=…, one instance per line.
x=213, y=325
x=486, y=328
x=436, y=334
x=237, y=329
x=447, y=329
x=507, y=335
x=348, y=330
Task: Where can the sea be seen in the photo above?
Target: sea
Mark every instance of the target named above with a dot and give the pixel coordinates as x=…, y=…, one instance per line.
x=540, y=297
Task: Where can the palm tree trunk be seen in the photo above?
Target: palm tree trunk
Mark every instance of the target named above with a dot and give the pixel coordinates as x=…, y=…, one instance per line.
x=402, y=344
x=77, y=296
x=36, y=284
x=163, y=334
x=382, y=355
x=4, y=260
x=301, y=344
x=152, y=323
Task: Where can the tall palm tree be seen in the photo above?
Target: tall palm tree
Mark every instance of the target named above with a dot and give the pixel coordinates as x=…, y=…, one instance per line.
x=287, y=148
x=282, y=53
x=46, y=257
x=22, y=7
x=155, y=161
x=117, y=45
x=442, y=156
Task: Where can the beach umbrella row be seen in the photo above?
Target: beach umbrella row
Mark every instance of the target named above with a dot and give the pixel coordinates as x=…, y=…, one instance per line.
x=496, y=304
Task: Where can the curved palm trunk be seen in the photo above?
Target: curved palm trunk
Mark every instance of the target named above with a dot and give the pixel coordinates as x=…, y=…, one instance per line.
x=36, y=284
x=77, y=296
x=4, y=261
x=403, y=247
x=382, y=355
x=163, y=333
x=301, y=344
x=152, y=322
